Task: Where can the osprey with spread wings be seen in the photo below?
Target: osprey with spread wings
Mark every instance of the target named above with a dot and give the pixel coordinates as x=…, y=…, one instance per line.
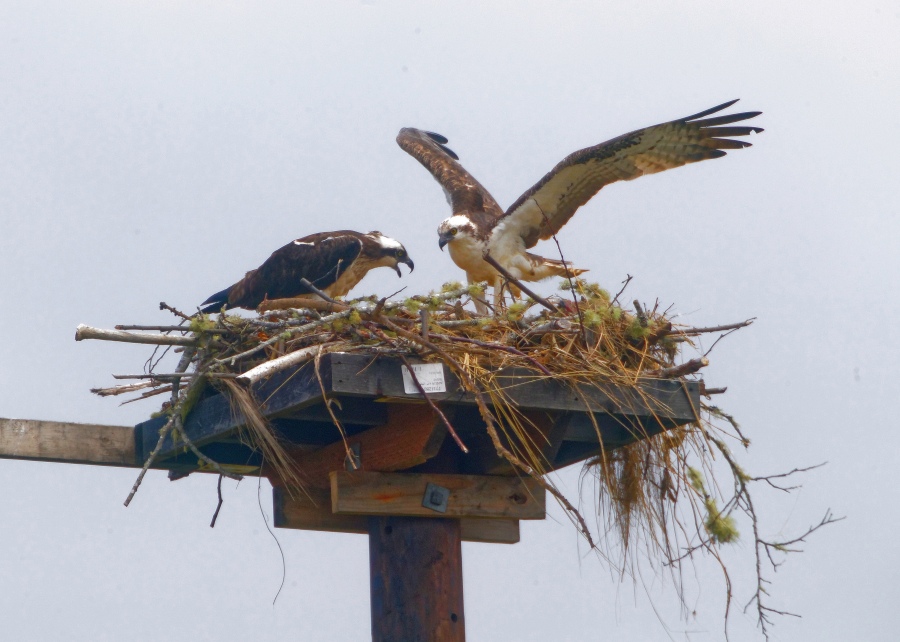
x=478, y=225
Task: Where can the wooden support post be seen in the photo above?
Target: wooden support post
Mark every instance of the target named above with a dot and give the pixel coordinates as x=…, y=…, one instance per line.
x=416, y=580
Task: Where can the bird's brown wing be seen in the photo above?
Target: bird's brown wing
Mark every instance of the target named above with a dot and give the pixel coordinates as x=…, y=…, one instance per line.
x=541, y=211
x=464, y=193
x=318, y=258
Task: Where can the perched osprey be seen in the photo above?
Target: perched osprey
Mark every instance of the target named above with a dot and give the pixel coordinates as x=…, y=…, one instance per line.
x=334, y=262
x=478, y=225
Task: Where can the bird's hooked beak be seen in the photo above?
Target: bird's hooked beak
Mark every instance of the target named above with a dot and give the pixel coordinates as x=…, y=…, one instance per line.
x=443, y=239
x=408, y=261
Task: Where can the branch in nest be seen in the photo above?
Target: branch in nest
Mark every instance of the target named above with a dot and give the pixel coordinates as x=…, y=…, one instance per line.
x=83, y=332
x=276, y=365
x=686, y=368
x=509, y=277
x=708, y=392
x=165, y=306
x=432, y=405
x=176, y=403
x=302, y=303
x=169, y=328
x=177, y=375
x=641, y=314
x=150, y=393
x=718, y=328
x=283, y=336
x=561, y=326
x=118, y=390
x=305, y=283
x=624, y=285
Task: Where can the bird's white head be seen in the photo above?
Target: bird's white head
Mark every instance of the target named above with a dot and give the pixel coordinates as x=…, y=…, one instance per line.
x=454, y=229
x=387, y=252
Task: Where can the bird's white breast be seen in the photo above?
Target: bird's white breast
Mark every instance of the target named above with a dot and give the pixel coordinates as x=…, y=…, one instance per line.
x=508, y=248
x=467, y=253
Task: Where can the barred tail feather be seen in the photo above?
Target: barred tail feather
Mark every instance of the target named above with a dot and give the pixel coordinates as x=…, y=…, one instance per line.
x=545, y=268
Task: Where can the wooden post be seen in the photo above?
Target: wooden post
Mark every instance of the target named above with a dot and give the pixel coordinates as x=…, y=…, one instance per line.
x=416, y=579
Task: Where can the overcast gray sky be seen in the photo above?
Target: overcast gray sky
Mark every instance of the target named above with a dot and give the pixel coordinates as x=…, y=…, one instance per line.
x=156, y=150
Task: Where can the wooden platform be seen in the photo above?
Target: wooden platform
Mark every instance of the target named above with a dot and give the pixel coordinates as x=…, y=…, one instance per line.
x=366, y=387
x=398, y=477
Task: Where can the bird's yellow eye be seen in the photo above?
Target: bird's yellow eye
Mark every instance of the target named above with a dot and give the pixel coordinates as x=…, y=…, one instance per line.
x=453, y=231
x=401, y=254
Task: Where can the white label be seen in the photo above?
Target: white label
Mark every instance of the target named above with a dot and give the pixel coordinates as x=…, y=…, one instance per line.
x=429, y=375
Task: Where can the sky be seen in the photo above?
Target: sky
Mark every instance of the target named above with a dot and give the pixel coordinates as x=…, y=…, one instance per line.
x=154, y=151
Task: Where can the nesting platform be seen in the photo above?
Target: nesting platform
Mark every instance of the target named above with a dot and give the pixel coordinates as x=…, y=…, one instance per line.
x=398, y=477
x=400, y=448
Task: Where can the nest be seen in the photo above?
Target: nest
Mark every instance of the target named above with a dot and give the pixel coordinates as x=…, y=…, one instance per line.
x=660, y=491
x=581, y=336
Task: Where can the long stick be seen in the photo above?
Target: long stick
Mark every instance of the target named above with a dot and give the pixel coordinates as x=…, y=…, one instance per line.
x=118, y=390
x=288, y=332
x=716, y=328
x=183, y=364
x=83, y=332
x=686, y=368
x=170, y=328
x=509, y=277
x=434, y=408
x=275, y=365
x=177, y=375
x=313, y=288
x=302, y=303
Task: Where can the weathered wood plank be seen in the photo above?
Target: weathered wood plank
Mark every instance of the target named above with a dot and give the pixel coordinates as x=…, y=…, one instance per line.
x=416, y=580
x=410, y=437
x=67, y=442
x=477, y=496
x=312, y=511
x=356, y=374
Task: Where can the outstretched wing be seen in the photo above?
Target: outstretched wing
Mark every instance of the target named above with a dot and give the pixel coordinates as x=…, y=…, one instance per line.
x=464, y=193
x=318, y=258
x=541, y=211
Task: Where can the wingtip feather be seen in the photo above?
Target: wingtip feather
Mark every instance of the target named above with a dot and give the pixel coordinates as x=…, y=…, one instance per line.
x=711, y=110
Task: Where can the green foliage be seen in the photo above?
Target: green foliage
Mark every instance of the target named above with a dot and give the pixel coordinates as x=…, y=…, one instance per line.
x=412, y=306
x=354, y=318
x=696, y=479
x=586, y=289
x=592, y=318
x=636, y=330
x=475, y=290
x=201, y=323
x=451, y=286
x=721, y=528
x=517, y=310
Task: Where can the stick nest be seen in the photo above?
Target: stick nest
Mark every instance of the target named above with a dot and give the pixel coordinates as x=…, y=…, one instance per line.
x=661, y=493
